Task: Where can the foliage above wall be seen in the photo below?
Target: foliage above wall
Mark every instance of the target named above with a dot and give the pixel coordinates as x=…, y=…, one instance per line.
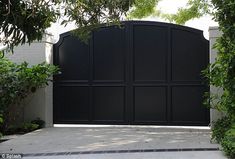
x=23, y=21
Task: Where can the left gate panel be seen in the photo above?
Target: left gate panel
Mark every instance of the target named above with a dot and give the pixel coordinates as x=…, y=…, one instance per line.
x=71, y=89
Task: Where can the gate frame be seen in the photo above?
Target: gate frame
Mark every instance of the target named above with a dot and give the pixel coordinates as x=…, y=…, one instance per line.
x=64, y=35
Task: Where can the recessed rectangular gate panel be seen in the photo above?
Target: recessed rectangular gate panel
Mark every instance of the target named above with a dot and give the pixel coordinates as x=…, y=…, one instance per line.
x=70, y=107
x=187, y=58
x=150, y=53
x=150, y=104
x=109, y=54
x=185, y=101
x=136, y=73
x=109, y=104
x=73, y=54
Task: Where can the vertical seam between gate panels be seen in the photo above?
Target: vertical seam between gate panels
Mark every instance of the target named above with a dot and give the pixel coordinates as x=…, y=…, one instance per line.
x=169, y=76
x=91, y=74
x=132, y=74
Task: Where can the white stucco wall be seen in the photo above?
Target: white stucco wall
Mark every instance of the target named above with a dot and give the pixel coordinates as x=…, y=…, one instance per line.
x=214, y=33
x=39, y=104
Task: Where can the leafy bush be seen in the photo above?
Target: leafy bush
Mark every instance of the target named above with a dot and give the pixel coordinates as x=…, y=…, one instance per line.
x=17, y=81
x=1, y=122
x=220, y=127
x=228, y=142
x=22, y=128
x=39, y=122
x=28, y=127
x=221, y=75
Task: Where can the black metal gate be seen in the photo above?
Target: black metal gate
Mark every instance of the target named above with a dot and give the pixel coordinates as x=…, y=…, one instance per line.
x=141, y=73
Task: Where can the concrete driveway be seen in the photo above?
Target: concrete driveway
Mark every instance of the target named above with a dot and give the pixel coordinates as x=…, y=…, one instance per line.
x=114, y=142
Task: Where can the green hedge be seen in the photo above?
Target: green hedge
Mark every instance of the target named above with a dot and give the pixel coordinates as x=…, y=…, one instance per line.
x=17, y=81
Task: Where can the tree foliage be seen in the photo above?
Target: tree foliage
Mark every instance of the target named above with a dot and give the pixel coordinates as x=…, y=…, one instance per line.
x=90, y=14
x=193, y=9
x=143, y=8
x=23, y=21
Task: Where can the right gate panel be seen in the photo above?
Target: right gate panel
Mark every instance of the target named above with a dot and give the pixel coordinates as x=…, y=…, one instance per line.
x=168, y=87
x=189, y=56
